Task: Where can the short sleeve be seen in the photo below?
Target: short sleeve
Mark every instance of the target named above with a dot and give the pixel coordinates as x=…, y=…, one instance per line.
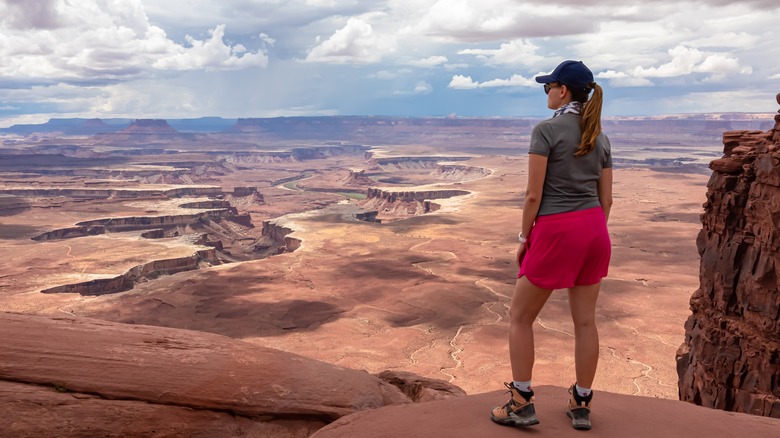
x=541, y=139
x=607, y=162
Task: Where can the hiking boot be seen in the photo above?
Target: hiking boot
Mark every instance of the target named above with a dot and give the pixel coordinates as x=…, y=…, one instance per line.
x=518, y=411
x=579, y=409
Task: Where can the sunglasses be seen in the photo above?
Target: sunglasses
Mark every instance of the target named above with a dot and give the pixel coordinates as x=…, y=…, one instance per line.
x=548, y=87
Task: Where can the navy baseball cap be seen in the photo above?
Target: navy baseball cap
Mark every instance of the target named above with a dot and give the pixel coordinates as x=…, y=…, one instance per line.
x=572, y=73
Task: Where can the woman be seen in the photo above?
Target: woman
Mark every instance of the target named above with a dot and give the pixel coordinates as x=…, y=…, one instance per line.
x=564, y=241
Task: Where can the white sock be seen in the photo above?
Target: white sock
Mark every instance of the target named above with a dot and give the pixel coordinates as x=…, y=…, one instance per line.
x=522, y=386
x=583, y=392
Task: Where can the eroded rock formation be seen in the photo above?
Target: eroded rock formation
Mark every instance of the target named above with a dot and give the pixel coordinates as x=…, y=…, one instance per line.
x=150, y=126
x=90, y=193
x=247, y=158
x=409, y=196
x=358, y=179
x=460, y=173
x=247, y=191
x=77, y=377
x=731, y=356
x=171, y=223
x=276, y=236
x=368, y=216
x=130, y=223
x=146, y=271
x=421, y=389
x=406, y=202
x=71, y=232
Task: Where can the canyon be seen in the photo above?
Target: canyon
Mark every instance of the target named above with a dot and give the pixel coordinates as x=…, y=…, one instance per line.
x=377, y=244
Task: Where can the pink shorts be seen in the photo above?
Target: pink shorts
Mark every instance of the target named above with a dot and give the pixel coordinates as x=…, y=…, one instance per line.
x=567, y=249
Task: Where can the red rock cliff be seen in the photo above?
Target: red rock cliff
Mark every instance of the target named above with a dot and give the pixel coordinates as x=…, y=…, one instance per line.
x=731, y=356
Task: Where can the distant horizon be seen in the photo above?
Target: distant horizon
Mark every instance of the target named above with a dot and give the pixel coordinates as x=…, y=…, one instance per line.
x=769, y=115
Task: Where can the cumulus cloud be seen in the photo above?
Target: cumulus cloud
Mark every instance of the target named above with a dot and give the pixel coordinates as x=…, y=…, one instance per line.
x=611, y=74
x=26, y=14
x=725, y=39
x=461, y=82
x=355, y=43
x=267, y=39
x=684, y=61
x=488, y=20
x=774, y=76
x=516, y=52
x=421, y=87
x=721, y=64
x=211, y=54
x=431, y=61
x=94, y=41
x=391, y=74
x=456, y=66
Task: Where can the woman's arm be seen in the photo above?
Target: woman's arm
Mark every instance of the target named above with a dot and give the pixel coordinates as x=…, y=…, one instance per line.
x=537, y=170
x=605, y=190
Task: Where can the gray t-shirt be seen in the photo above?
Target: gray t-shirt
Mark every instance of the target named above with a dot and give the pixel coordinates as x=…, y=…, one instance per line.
x=571, y=183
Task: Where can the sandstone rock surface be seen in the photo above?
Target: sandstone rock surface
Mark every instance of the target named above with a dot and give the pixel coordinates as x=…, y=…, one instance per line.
x=614, y=415
x=70, y=377
x=419, y=388
x=731, y=356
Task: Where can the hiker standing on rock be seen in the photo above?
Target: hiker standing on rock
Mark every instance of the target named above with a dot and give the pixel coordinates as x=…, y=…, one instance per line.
x=564, y=243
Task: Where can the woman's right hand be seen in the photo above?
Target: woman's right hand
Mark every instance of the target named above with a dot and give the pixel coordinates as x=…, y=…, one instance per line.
x=520, y=254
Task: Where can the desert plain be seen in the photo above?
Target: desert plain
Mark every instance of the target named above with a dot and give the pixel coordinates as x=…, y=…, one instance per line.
x=288, y=248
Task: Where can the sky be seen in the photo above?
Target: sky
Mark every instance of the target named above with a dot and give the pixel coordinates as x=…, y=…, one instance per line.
x=471, y=58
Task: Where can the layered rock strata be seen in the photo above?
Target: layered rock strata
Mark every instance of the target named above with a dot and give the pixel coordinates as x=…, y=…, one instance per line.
x=731, y=356
x=146, y=271
x=409, y=196
x=77, y=377
x=406, y=202
x=358, y=179
x=90, y=193
x=71, y=232
x=130, y=223
x=278, y=234
x=293, y=155
x=134, y=223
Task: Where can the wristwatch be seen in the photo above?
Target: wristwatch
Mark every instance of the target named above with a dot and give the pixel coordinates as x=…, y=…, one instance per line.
x=521, y=238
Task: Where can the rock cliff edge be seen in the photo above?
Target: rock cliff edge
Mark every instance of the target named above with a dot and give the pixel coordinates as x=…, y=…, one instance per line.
x=731, y=356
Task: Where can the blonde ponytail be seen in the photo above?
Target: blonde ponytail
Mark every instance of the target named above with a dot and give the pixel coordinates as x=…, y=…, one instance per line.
x=590, y=121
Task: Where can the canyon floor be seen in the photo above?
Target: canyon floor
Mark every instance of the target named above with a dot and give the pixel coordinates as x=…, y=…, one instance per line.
x=420, y=292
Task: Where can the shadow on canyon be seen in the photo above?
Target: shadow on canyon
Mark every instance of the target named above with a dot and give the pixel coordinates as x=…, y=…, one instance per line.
x=18, y=232
x=238, y=307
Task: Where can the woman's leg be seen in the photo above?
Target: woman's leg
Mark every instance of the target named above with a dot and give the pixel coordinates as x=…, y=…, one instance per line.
x=582, y=302
x=527, y=302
